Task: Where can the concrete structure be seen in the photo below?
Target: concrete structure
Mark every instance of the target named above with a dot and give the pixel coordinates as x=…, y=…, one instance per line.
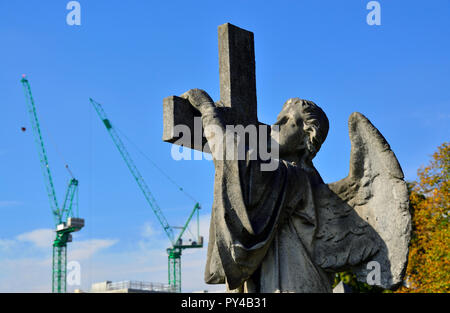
x=129, y=287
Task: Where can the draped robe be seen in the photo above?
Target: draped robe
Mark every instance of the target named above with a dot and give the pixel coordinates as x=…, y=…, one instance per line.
x=262, y=223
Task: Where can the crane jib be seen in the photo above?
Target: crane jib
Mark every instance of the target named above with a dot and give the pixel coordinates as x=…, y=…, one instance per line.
x=174, y=253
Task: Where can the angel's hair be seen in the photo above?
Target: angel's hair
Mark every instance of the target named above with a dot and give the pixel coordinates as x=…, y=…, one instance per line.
x=315, y=122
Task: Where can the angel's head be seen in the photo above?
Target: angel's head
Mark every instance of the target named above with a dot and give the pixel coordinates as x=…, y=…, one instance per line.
x=303, y=127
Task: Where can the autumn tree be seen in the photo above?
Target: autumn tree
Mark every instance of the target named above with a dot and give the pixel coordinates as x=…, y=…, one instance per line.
x=429, y=252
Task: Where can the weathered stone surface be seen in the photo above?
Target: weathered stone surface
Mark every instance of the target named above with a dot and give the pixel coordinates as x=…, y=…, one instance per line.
x=178, y=111
x=237, y=88
x=376, y=190
x=286, y=230
x=237, y=72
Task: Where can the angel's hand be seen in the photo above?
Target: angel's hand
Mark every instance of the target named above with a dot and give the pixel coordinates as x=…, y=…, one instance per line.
x=199, y=99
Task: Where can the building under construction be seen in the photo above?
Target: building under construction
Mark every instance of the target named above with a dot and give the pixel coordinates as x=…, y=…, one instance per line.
x=130, y=286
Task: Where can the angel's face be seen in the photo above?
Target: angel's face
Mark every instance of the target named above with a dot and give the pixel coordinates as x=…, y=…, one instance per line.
x=291, y=137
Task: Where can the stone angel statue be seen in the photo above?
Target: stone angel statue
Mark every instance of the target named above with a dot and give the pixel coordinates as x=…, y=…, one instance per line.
x=287, y=230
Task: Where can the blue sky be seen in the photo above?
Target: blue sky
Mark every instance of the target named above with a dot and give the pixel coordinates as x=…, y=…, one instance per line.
x=129, y=55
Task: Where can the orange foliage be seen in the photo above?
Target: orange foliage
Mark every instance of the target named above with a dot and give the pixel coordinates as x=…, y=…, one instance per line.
x=429, y=253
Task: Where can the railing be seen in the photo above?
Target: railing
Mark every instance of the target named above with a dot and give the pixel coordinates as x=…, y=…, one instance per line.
x=139, y=285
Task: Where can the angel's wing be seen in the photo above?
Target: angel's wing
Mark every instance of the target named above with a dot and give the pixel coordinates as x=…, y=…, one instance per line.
x=365, y=216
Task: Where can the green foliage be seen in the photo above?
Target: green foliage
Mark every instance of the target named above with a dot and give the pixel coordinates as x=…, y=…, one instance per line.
x=429, y=252
x=349, y=279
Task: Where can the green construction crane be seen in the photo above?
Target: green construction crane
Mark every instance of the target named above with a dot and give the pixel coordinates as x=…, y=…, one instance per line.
x=175, y=251
x=66, y=217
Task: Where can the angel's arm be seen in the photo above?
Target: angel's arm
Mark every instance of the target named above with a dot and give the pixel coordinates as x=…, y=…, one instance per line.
x=260, y=182
x=212, y=120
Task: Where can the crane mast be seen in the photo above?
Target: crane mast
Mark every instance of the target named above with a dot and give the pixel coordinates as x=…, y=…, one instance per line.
x=175, y=251
x=64, y=219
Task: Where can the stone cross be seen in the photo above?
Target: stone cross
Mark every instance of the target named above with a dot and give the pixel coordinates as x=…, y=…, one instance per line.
x=237, y=88
x=359, y=222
